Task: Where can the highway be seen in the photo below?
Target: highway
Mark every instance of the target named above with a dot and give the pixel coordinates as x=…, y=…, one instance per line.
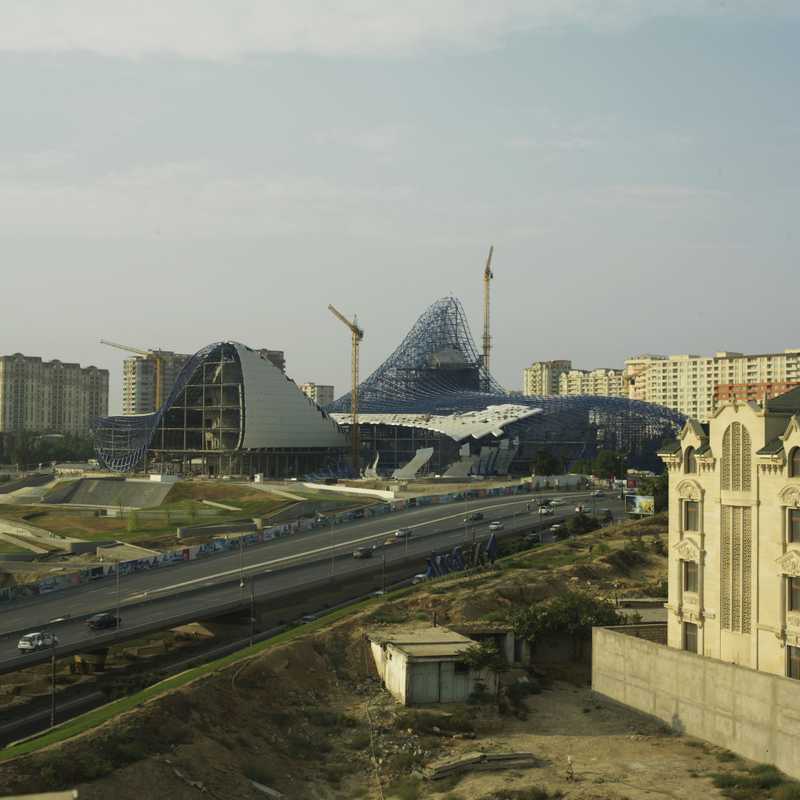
x=172, y=595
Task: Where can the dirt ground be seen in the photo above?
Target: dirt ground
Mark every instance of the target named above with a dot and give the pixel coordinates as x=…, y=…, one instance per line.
x=310, y=718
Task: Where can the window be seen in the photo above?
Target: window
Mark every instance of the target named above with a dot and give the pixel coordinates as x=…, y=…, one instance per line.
x=691, y=515
x=793, y=594
x=793, y=525
x=690, y=460
x=794, y=463
x=690, y=576
x=793, y=662
x=690, y=637
x=460, y=668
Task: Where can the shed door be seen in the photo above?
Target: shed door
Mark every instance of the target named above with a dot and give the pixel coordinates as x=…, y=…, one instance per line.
x=424, y=683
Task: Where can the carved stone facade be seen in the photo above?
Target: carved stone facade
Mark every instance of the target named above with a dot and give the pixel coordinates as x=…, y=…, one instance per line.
x=734, y=540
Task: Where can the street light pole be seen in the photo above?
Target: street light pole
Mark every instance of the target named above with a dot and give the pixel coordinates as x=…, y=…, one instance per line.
x=252, y=609
x=53, y=683
x=116, y=571
x=383, y=572
x=241, y=563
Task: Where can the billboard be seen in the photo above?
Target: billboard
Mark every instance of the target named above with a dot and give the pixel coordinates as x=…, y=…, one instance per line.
x=640, y=504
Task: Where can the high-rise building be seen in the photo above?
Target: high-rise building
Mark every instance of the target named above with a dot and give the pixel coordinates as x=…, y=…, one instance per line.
x=139, y=380
x=542, y=377
x=321, y=394
x=597, y=382
x=697, y=385
x=139, y=377
x=50, y=396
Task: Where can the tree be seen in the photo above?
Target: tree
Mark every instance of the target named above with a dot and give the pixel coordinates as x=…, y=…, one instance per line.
x=545, y=463
x=659, y=488
x=609, y=464
x=571, y=613
x=133, y=522
x=483, y=656
x=582, y=523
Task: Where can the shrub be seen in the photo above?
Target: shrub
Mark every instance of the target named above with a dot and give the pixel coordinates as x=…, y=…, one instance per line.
x=572, y=612
x=403, y=789
x=258, y=772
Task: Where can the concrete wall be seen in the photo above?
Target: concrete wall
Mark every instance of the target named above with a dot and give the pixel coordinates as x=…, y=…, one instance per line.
x=751, y=713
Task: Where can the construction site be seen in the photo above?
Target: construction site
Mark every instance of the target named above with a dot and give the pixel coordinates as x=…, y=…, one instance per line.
x=431, y=409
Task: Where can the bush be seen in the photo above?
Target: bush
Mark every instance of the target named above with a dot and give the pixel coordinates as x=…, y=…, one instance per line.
x=572, y=612
x=258, y=772
x=403, y=789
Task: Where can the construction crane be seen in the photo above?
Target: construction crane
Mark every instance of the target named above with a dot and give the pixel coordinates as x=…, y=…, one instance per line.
x=154, y=354
x=487, y=336
x=357, y=336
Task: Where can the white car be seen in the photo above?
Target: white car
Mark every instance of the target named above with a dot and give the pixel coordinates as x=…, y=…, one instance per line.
x=419, y=578
x=545, y=510
x=496, y=526
x=556, y=501
x=31, y=642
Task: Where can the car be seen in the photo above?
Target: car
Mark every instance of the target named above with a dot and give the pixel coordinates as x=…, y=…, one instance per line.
x=102, y=621
x=581, y=509
x=419, y=578
x=533, y=538
x=403, y=533
x=557, y=528
x=31, y=642
x=556, y=501
x=543, y=510
x=363, y=552
x=306, y=618
x=475, y=516
x=605, y=514
x=598, y=493
x=496, y=525
x=544, y=503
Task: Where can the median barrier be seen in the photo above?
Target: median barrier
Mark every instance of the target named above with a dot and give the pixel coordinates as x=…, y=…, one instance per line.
x=54, y=583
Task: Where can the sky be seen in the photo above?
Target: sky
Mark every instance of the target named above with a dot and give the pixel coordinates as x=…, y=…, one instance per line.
x=183, y=172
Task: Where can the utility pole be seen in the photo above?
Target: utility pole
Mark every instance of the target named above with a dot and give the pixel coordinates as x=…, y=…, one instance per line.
x=333, y=554
x=383, y=572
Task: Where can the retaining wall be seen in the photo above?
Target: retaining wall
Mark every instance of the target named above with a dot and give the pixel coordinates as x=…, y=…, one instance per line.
x=752, y=713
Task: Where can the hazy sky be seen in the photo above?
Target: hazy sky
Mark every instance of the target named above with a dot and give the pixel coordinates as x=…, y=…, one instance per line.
x=176, y=173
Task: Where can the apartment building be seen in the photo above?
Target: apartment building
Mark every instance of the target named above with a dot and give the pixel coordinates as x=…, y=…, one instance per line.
x=50, y=396
x=321, y=394
x=698, y=385
x=139, y=380
x=139, y=377
x=734, y=535
x=599, y=382
x=542, y=377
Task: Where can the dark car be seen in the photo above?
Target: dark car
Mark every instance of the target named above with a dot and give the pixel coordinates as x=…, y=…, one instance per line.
x=363, y=552
x=102, y=621
x=475, y=516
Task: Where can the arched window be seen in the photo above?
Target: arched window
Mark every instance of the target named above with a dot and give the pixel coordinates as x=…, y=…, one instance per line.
x=736, y=458
x=690, y=460
x=794, y=463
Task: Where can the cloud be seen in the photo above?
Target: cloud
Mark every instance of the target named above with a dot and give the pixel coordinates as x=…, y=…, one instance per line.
x=213, y=30
x=194, y=200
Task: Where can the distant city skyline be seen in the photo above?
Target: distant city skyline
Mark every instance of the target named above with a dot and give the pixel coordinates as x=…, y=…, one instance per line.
x=188, y=173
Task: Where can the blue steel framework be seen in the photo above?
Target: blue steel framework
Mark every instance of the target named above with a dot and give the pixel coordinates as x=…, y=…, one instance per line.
x=437, y=370
x=121, y=443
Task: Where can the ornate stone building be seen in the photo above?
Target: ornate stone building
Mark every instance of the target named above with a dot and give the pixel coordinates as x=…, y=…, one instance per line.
x=734, y=535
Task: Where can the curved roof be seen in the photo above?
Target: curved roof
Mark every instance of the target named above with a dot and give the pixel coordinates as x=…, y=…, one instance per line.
x=275, y=413
x=436, y=370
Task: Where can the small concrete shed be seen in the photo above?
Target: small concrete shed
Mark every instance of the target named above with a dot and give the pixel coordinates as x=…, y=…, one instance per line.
x=426, y=665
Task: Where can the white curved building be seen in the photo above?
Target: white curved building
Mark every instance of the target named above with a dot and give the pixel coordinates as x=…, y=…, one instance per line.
x=231, y=411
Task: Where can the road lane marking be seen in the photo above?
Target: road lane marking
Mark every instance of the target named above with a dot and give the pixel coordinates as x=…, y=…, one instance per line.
x=317, y=550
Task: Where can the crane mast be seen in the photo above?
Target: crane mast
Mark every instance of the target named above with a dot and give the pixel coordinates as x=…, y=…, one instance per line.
x=487, y=336
x=158, y=389
x=357, y=334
